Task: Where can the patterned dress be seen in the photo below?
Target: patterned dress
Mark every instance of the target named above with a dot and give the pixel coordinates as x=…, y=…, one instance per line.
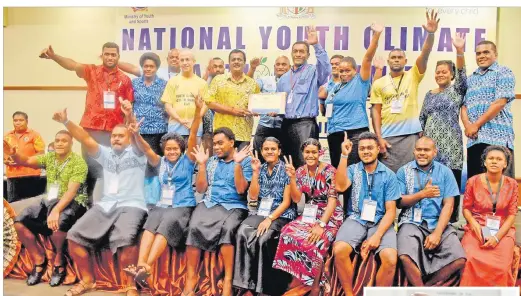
x=439, y=118
x=294, y=254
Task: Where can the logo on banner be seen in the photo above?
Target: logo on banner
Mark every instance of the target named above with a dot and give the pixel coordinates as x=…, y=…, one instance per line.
x=139, y=9
x=296, y=12
x=140, y=15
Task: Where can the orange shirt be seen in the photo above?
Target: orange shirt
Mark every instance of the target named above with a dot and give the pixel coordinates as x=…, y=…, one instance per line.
x=29, y=143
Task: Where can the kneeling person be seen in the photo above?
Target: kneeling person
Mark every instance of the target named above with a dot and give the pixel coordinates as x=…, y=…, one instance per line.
x=58, y=210
x=428, y=247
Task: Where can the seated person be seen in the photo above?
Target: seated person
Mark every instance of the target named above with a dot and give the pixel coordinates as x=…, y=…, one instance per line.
x=371, y=210
x=58, y=210
x=304, y=243
x=490, y=207
x=167, y=222
x=225, y=178
x=258, y=235
x=428, y=248
x=115, y=221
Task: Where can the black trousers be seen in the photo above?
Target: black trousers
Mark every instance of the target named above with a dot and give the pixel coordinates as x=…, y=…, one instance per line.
x=475, y=164
x=262, y=133
x=293, y=134
x=335, y=140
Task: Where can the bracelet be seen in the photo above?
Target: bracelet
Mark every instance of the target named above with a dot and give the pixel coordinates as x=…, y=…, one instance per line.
x=431, y=33
x=65, y=123
x=344, y=156
x=497, y=240
x=460, y=55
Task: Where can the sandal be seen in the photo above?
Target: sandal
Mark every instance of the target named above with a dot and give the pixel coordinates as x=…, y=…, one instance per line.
x=141, y=276
x=80, y=288
x=36, y=276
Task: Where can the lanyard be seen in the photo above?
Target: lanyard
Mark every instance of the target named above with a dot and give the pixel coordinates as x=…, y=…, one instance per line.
x=337, y=89
x=170, y=173
x=493, y=196
x=370, y=183
x=399, y=83
x=313, y=185
x=300, y=74
x=59, y=171
x=417, y=177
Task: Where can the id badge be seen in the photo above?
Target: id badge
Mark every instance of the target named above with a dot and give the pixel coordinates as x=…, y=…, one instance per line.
x=265, y=207
x=310, y=213
x=493, y=223
x=368, y=210
x=418, y=215
x=109, y=100
x=329, y=110
x=167, y=195
x=396, y=106
x=113, y=186
x=290, y=97
x=53, y=192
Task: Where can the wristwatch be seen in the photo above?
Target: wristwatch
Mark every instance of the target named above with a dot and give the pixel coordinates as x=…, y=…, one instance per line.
x=270, y=217
x=322, y=224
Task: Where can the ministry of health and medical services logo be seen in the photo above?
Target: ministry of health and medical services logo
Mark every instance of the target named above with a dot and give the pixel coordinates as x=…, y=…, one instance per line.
x=296, y=12
x=136, y=9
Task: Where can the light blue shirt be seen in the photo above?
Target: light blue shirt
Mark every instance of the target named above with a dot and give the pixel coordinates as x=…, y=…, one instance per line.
x=385, y=188
x=302, y=84
x=127, y=170
x=268, y=84
x=329, y=86
x=221, y=183
x=181, y=173
x=442, y=177
x=349, y=105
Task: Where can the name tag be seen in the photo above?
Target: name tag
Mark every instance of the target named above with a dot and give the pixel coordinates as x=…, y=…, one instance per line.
x=493, y=223
x=167, y=196
x=368, y=210
x=397, y=105
x=53, y=192
x=418, y=215
x=265, y=207
x=290, y=97
x=329, y=110
x=109, y=100
x=310, y=213
x=113, y=185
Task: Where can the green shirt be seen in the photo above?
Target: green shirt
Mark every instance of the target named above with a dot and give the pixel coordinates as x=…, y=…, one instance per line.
x=73, y=169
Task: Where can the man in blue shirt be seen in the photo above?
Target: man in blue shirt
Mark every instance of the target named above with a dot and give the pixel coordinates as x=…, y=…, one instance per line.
x=334, y=79
x=225, y=178
x=371, y=212
x=301, y=85
x=427, y=246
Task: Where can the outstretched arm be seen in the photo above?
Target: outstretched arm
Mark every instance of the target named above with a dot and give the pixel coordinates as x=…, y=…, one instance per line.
x=431, y=27
x=129, y=68
x=66, y=63
x=365, y=70
x=77, y=132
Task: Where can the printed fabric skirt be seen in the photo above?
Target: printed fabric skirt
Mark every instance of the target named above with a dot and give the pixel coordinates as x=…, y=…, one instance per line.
x=298, y=257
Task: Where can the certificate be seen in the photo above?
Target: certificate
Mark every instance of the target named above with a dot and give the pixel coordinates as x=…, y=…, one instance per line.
x=264, y=103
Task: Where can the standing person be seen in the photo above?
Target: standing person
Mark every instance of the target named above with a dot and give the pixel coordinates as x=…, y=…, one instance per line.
x=106, y=84
x=301, y=85
x=22, y=181
x=215, y=67
x=148, y=90
x=173, y=69
x=394, y=100
x=346, y=102
x=439, y=116
x=487, y=108
x=325, y=89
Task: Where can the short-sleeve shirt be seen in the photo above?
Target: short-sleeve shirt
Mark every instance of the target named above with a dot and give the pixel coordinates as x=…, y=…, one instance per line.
x=385, y=188
x=128, y=170
x=384, y=92
x=413, y=179
x=221, y=183
x=179, y=92
x=268, y=84
x=483, y=89
x=349, y=105
x=181, y=173
x=100, y=79
x=273, y=186
x=148, y=105
x=72, y=169
x=320, y=188
x=228, y=92
x=29, y=143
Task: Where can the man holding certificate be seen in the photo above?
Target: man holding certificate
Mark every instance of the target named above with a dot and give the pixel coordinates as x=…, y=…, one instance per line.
x=301, y=85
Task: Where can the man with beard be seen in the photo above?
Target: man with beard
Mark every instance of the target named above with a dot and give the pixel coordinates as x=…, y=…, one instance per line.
x=371, y=212
x=428, y=247
x=324, y=90
x=58, y=210
x=269, y=124
x=165, y=73
x=115, y=221
x=228, y=97
x=215, y=67
x=301, y=85
x=106, y=84
x=394, y=100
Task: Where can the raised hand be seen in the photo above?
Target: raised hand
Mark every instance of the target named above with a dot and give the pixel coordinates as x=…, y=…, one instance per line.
x=47, y=53
x=60, y=116
x=239, y=156
x=201, y=155
x=377, y=28
x=379, y=62
x=134, y=127
x=255, y=162
x=255, y=62
x=432, y=22
x=126, y=106
x=459, y=40
x=312, y=35
x=347, y=145
x=199, y=102
x=290, y=169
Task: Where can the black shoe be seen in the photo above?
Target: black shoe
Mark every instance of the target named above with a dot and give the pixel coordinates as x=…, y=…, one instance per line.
x=36, y=276
x=57, y=276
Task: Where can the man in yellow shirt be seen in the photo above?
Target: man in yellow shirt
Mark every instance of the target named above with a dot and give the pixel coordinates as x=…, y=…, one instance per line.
x=179, y=96
x=394, y=100
x=228, y=96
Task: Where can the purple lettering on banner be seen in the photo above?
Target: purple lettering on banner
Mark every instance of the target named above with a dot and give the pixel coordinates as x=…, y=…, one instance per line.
x=479, y=37
x=367, y=37
x=341, y=38
x=238, y=39
x=445, y=43
x=187, y=38
x=388, y=38
x=205, y=38
x=464, y=31
x=302, y=33
x=418, y=37
x=403, y=38
x=172, y=38
x=227, y=67
x=265, y=36
x=321, y=32
x=224, y=38
x=144, y=39
x=283, y=37
x=197, y=70
x=159, y=34
x=128, y=39
x=246, y=68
